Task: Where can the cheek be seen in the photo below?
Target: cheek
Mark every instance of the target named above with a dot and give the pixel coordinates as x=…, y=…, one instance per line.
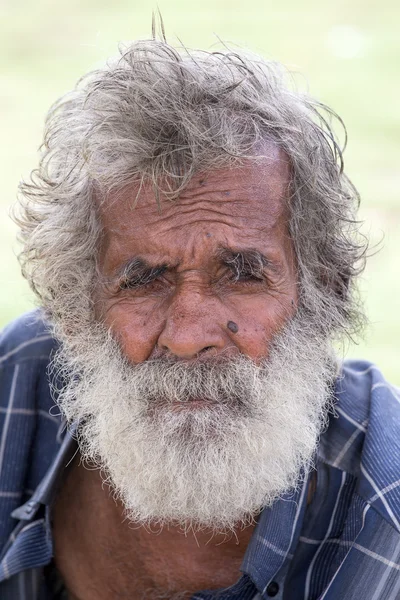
x=259, y=320
x=135, y=326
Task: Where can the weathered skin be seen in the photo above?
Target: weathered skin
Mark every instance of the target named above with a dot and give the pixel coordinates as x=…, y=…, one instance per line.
x=185, y=312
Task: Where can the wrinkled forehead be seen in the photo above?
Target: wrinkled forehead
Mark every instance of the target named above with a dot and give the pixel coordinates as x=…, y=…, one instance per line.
x=257, y=190
x=260, y=182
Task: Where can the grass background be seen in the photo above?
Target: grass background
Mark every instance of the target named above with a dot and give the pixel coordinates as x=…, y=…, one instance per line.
x=348, y=50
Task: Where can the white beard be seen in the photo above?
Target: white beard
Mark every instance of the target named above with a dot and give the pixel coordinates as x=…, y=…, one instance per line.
x=214, y=466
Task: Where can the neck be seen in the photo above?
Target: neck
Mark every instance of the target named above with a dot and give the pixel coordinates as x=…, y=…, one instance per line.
x=100, y=555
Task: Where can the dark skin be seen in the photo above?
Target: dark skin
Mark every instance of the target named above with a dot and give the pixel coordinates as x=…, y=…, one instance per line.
x=212, y=273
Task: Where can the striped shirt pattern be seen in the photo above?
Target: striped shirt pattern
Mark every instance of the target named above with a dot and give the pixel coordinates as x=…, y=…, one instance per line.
x=343, y=545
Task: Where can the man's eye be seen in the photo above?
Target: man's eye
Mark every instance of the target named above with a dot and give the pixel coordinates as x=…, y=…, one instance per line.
x=130, y=284
x=247, y=276
x=142, y=280
x=133, y=284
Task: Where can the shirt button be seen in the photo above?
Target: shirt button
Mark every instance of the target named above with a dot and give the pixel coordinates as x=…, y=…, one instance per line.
x=272, y=589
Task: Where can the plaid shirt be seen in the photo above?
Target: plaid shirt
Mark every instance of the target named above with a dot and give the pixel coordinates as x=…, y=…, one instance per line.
x=343, y=545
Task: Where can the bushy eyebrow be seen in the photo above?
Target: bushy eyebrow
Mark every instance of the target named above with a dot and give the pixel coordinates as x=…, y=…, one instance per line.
x=139, y=272
x=249, y=261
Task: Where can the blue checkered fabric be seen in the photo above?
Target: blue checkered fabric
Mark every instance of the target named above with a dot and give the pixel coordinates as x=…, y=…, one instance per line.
x=343, y=545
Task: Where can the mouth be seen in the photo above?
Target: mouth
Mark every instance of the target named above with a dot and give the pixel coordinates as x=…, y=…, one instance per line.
x=192, y=404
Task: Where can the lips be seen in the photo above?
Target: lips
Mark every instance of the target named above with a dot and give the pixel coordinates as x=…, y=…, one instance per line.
x=192, y=404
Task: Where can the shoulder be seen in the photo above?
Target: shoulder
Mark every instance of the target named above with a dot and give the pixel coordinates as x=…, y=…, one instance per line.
x=367, y=398
x=363, y=437
x=26, y=348
x=29, y=427
x=26, y=338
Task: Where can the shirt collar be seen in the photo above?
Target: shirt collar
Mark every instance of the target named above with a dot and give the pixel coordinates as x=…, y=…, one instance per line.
x=276, y=535
x=46, y=491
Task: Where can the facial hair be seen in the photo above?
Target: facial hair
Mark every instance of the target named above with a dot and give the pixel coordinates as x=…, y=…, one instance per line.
x=205, y=444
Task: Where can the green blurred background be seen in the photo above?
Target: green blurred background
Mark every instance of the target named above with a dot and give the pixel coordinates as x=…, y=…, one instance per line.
x=348, y=50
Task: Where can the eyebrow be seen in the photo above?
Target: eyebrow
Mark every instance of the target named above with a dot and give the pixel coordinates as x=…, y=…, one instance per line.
x=249, y=261
x=139, y=271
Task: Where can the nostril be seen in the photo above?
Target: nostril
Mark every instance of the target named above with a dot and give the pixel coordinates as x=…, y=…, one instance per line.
x=206, y=349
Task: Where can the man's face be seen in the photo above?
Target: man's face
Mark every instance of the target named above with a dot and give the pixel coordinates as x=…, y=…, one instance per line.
x=210, y=273
x=207, y=399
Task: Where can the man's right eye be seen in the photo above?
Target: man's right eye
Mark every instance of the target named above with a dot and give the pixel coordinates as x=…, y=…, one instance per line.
x=142, y=280
x=129, y=284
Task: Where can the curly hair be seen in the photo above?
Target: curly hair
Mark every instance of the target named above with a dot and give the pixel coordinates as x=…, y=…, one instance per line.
x=159, y=115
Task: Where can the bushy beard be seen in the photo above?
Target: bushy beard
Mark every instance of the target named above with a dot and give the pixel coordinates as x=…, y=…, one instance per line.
x=205, y=444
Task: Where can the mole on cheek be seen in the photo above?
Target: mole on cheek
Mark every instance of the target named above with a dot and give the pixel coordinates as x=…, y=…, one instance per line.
x=232, y=326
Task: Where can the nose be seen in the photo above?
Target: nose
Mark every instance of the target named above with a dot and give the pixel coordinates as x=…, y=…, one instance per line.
x=192, y=327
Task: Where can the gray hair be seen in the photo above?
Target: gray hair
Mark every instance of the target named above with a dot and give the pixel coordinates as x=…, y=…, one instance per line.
x=158, y=115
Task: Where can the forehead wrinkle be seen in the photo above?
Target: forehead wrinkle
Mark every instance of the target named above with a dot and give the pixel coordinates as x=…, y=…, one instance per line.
x=237, y=195
x=268, y=193
x=197, y=223
x=269, y=168
x=193, y=239
x=212, y=214
x=223, y=196
x=254, y=213
x=192, y=251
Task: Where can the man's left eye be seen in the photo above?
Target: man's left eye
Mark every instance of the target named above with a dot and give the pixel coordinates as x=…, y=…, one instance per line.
x=138, y=283
x=248, y=276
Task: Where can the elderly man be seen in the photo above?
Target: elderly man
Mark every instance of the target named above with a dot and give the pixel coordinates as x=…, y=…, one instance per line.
x=191, y=236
